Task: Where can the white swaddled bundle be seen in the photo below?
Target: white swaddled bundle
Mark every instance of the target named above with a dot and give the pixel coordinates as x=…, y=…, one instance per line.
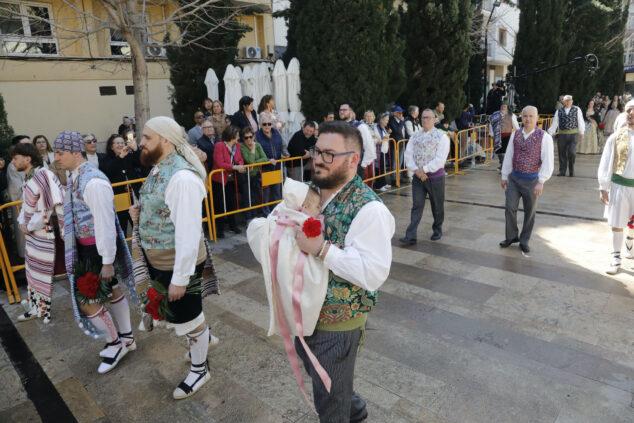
x=262, y=235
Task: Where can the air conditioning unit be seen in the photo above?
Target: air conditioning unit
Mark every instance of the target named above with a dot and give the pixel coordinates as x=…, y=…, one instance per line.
x=155, y=50
x=252, y=52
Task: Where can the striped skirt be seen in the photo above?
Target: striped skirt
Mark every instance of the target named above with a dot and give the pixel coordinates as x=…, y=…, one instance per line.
x=40, y=264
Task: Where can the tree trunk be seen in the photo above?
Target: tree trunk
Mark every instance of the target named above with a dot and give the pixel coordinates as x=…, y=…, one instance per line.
x=137, y=37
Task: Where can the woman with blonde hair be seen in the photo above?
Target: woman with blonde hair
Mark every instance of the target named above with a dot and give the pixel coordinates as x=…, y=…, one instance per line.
x=218, y=118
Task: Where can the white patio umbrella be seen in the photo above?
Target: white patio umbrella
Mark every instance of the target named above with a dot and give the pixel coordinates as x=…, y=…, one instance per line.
x=294, y=86
x=265, y=76
x=279, y=87
x=233, y=90
x=248, y=76
x=211, y=82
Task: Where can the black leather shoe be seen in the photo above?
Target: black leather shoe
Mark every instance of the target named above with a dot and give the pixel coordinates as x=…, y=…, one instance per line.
x=407, y=241
x=360, y=416
x=525, y=248
x=561, y=174
x=508, y=242
x=572, y=174
x=436, y=236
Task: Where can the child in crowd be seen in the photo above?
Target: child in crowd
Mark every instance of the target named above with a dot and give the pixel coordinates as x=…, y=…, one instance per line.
x=272, y=240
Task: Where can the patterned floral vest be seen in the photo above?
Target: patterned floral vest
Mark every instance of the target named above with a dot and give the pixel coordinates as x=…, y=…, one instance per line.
x=568, y=122
x=621, y=150
x=425, y=145
x=527, y=152
x=84, y=223
x=343, y=299
x=155, y=226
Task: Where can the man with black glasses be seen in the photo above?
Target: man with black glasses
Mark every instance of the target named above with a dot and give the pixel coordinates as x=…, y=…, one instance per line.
x=90, y=142
x=356, y=249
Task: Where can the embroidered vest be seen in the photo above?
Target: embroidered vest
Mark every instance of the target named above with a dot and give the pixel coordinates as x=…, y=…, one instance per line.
x=621, y=150
x=155, y=226
x=568, y=122
x=527, y=152
x=425, y=145
x=345, y=300
x=83, y=221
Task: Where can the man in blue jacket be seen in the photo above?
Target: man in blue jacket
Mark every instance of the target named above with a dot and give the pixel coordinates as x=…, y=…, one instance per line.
x=271, y=141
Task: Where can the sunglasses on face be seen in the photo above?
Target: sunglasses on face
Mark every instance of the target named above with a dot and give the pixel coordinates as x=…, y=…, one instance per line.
x=267, y=124
x=90, y=141
x=248, y=137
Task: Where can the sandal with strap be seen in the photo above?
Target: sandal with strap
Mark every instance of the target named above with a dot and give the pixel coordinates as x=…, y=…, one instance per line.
x=109, y=361
x=184, y=390
x=128, y=340
x=27, y=316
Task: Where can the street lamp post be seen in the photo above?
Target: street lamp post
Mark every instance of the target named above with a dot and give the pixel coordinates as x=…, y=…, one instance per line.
x=486, y=55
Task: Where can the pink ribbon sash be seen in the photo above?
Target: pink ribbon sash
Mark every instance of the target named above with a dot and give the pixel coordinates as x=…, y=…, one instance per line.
x=298, y=286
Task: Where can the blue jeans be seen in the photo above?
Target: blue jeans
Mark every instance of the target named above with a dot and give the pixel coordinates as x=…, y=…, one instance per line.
x=271, y=193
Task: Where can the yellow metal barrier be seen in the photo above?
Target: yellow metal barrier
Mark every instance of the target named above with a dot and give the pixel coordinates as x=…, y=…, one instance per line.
x=7, y=269
x=474, y=136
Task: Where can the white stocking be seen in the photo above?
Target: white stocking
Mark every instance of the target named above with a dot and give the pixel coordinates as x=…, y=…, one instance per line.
x=121, y=311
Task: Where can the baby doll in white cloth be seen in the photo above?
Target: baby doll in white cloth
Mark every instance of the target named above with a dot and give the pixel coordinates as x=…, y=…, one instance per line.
x=300, y=203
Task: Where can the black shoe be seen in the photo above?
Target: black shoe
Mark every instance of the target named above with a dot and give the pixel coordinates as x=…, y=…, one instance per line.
x=572, y=174
x=436, y=236
x=525, y=248
x=561, y=174
x=360, y=416
x=508, y=242
x=407, y=241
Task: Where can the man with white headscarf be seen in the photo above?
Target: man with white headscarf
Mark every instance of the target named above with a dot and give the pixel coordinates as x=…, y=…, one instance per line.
x=616, y=182
x=168, y=217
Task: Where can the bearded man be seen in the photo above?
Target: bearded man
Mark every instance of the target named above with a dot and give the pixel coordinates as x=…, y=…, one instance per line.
x=169, y=217
x=356, y=248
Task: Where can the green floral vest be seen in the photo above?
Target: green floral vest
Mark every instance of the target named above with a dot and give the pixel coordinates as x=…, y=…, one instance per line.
x=156, y=229
x=345, y=300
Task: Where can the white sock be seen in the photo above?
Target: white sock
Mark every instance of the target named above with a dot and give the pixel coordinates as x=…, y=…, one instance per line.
x=198, y=344
x=104, y=324
x=121, y=311
x=617, y=242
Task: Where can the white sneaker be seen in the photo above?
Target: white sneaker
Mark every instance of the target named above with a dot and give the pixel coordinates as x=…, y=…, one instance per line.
x=614, y=266
x=112, y=358
x=213, y=341
x=184, y=390
x=629, y=251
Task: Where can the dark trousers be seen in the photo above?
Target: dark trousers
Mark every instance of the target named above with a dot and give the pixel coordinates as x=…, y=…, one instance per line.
x=567, y=149
x=250, y=186
x=219, y=204
x=502, y=150
x=520, y=188
x=189, y=306
x=435, y=189
x=381, y=166
x=336, y=352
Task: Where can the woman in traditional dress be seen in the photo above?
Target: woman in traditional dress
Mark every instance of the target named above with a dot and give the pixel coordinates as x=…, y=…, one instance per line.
x=589, y=144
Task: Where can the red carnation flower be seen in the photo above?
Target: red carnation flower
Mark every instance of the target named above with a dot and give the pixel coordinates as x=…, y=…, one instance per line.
x=88, y=284
x=152, y=308
x=151, y=294
x=311, y=227
x=602, y=126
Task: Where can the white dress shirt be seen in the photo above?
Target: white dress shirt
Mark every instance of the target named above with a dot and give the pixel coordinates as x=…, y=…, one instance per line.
x=184, y=196
x=607, y=161
x=99, y=197
x=555, y=125
x=439, y=159
x=547, y=156
x=366, y=257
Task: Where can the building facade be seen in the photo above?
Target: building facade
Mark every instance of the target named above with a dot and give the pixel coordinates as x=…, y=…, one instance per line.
x=61, y=69
x=628, y=44
x=503, y=18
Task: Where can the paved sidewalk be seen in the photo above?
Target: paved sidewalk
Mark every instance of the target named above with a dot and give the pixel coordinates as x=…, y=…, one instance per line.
x=464, y=331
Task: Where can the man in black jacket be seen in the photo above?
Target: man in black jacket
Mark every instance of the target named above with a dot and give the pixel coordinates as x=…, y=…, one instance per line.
x=397, y=126
x=299, y=144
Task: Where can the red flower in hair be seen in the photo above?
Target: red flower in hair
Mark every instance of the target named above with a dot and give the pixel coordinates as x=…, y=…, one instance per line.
x=311, y=227
x=88, y=284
